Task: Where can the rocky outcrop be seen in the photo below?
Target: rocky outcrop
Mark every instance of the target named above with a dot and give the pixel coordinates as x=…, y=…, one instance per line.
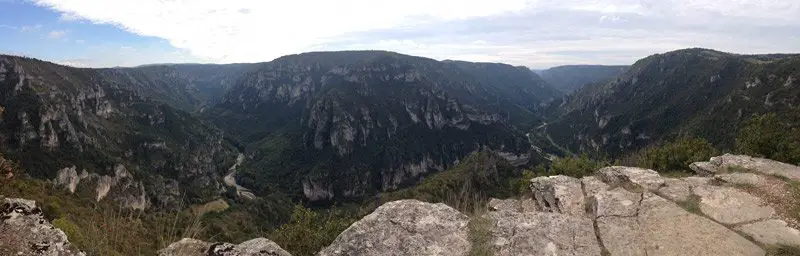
x=729, y=162
x=24, y=231
x=635, y=211
x=194, y=247
x=405, y=227
x=127, y=191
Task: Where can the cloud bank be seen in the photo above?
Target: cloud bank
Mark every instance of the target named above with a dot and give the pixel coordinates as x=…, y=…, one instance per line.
x=536, y=33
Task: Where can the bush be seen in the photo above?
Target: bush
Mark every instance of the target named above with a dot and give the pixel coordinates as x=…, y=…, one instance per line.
x=676, y=156
x=766, y=136
x=576, y=166
x=71, y=229
x=309, y=231
x=51, y=210
x=522, y=184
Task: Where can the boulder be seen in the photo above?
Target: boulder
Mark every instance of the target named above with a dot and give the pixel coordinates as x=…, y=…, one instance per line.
x=559, y=194
x=541, y=233
x=405, y=227
x=194, y=247
x=754, y=164
x=731, y=206
x=742, y=178
x=24, y=231
x=623, y=175
x=771, y=232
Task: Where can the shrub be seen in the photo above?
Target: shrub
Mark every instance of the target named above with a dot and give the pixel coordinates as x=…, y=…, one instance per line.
x=676, y=155
x=766, y=136
x=576, y=166
x=51, y=210
x=71, y=229
x=521, y=184
x=309, y=231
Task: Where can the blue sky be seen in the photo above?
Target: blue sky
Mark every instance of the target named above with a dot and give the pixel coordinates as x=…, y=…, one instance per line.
x=44, y=33
x=534, y=33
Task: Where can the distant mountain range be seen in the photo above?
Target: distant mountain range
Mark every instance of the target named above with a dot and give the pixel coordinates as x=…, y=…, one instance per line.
x=694, y=92
x=328, y=126
x=572, y=77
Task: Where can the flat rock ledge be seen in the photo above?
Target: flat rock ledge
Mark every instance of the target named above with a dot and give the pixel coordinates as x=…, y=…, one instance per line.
x=194, y=247
x=24, y=231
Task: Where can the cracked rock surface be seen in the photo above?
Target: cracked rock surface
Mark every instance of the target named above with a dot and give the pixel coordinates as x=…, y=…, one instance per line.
x=405, y=227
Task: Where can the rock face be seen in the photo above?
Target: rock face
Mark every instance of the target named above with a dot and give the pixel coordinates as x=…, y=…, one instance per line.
x=24, y=231
x=59, y=121
x=405, y=227
x=194, y=247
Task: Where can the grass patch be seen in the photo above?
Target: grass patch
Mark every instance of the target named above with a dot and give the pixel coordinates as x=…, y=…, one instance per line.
x=783, y=250
x=691, y=204
x=480, y=235
x=794, y=211
x=213, y=206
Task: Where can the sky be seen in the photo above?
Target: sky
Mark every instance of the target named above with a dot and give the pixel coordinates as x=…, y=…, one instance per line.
x=533, y=33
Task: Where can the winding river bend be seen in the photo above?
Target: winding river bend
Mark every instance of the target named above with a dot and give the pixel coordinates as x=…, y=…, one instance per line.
x=230, y=180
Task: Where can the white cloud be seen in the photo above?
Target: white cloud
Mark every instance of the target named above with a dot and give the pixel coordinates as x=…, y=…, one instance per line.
x=68, y=17
x=30, y=28
x=526, y=32
x=221, y=31
x=8, y=27
x=111, y=55
x=56, y=34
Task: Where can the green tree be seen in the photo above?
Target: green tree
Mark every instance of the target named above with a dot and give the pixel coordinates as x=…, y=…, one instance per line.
x=766, y=136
